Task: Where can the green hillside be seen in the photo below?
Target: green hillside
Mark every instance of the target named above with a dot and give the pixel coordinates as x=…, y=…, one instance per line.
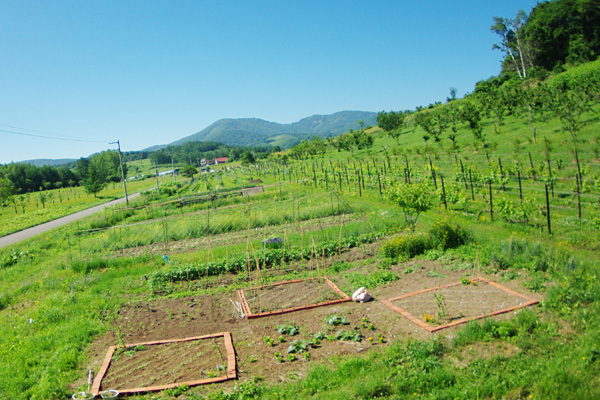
x=474, y=224
x=254, y=131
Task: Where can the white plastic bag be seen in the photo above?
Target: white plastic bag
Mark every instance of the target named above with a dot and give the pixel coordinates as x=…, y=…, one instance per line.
x=361, y=295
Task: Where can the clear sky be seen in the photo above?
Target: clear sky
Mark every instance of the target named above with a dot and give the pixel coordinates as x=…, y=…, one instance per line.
x=150, y=72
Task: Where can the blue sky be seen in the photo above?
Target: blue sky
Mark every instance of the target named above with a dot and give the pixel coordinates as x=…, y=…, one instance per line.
x=151, y=72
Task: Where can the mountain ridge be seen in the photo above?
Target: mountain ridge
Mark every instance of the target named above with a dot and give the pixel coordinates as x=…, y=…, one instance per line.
x=256, y=131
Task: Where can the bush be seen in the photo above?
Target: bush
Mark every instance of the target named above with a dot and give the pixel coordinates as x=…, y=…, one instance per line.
x=406, y=246
x=446, y=235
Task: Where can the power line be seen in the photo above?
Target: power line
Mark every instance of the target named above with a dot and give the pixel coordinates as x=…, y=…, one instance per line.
x=53, y=137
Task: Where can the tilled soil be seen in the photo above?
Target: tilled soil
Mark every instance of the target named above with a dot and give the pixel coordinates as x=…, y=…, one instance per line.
x=173, y=318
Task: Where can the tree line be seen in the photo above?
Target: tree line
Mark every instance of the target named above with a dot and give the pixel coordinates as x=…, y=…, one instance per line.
x=192, y=153
x=93, y=173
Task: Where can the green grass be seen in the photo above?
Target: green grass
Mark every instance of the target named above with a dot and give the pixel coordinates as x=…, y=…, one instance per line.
x=60, y=290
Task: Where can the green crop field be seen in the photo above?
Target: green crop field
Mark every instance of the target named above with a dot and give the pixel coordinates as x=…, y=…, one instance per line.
x=401, y=215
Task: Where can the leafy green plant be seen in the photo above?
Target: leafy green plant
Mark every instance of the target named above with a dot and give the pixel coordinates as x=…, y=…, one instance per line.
x=288, y=329
x=465, y=280
x=353, y=335
x=268, y=340
x=440, y=302
x=335, y=320
x=176, y=391
x=298, y=346
x=278, y=357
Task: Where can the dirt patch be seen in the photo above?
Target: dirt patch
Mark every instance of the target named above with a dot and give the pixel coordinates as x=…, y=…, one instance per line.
x=453, y=304
x=461, y=301
x=172, y=318
x=290, y=296
x=163, y=364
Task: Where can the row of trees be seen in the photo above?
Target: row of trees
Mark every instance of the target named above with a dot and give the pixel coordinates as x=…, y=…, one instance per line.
x=192, y=152
x=93, y=173
x=359, y=139
x=566, y=96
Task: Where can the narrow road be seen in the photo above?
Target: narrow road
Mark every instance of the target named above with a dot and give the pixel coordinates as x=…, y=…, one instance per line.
x=36, y=230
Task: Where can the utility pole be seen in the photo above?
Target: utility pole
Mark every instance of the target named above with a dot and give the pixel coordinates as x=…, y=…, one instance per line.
x=156, y=175
x=122, y=171
x=173, y=168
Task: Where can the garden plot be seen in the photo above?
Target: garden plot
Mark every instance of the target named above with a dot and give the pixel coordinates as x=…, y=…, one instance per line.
x=289, y=296
x=160, y=365
x=450, y=305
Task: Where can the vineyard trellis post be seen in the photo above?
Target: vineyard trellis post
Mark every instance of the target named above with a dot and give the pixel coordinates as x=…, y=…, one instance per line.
x=501, y=174
x=444, y=192
x=491, y=201
x=471, y=181
x=578, y=197
x=520, y=189
x=548, y=211
x=532, y=167
x=578, y=167
x=462, y=169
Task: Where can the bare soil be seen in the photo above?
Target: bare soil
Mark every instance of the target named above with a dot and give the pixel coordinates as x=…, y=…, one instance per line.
x=288, y=295
x=457, y=302
x=159, y=318
x=167, y=363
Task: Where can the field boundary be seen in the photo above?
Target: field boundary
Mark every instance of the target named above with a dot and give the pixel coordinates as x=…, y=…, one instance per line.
x=430, y=328
x=231, y=365
x=250, y=315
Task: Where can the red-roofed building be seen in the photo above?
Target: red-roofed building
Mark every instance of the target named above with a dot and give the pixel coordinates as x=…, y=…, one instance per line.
x=221, y=160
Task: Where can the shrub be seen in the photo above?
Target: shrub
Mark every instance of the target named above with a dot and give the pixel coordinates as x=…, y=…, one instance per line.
x=446, y=234
x=406, y=246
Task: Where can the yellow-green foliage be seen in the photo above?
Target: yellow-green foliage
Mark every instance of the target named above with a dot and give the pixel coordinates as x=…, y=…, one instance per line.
x=444, y=234
x=447, y=234
x=406, y=246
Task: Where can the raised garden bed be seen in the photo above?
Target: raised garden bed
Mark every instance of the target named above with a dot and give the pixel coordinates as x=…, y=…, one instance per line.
x=165, y=364
x=445, y=306
x=290, y=296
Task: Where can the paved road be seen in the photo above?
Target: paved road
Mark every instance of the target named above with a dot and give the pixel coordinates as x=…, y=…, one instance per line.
x=36, y=230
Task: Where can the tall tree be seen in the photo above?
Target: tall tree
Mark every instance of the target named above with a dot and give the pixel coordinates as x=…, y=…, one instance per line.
x=513, y=42
x=470, y=112
x=96, y=180
x=7, y=190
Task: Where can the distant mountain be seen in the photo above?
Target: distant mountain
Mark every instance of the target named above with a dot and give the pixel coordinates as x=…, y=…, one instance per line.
x=49, y=162
x=254, y=131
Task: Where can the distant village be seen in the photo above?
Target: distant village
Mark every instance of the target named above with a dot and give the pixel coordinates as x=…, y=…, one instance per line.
x=204, y=167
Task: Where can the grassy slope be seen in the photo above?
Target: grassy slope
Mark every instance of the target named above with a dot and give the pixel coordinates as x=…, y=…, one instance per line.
x=558, y=353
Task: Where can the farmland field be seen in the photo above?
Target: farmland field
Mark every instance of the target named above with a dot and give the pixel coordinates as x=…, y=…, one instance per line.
x=517, y=212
